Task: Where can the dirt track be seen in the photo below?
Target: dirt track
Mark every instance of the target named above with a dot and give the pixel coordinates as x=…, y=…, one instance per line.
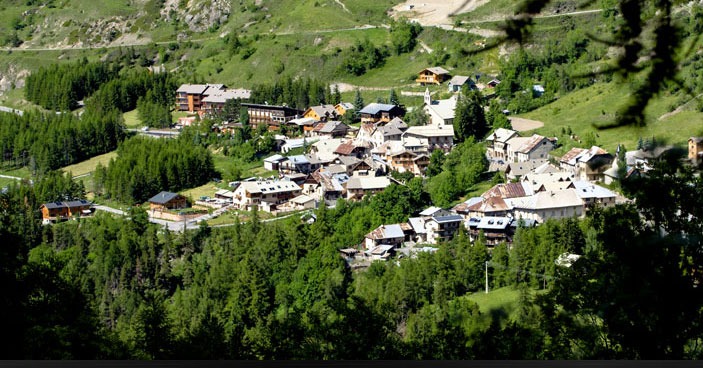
x=521, y=124
x=434, y=12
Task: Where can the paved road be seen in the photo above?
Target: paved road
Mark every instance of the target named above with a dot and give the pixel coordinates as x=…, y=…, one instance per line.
x=156, y=133
x=173, y=226
x=10, y=177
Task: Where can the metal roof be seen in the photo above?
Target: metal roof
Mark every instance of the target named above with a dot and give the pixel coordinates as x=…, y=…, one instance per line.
x=448, y=218
x=374, y=108
x=163, y=197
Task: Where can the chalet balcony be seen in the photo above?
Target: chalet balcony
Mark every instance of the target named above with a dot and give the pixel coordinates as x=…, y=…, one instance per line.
x=424, y=79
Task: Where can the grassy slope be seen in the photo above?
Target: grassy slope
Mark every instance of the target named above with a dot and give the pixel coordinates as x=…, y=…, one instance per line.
x=88, y=166
x=599, y=103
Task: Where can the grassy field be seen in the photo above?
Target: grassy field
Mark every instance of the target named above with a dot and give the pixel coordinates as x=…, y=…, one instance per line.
x=502, y=301
x=598, y=104
x=206, y=190
x=505, y=298
x=232, y=217
x=22, y=172
x=131, y=119
x=88, y=166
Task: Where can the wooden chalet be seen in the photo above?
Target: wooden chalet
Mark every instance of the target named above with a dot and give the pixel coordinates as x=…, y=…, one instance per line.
x=57, y=211
x=434, y=75
x=167, y=201
x=376, y=112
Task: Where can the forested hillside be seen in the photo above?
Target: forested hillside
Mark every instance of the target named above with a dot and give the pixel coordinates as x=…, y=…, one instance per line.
x=146, y=166
x=48, y=141
x=112, y=286
x=122, y=288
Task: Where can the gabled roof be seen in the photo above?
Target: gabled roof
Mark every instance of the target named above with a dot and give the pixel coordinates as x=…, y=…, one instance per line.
x=389, y=130
x=303, y=121
x=301, y=199
x=436, y=70
x=325, y=147
x=418, y=225
x=269, y=186
x=298, y=159
x=322, y=110
x=331, y=127
x=447, y=218
x=585, y=189
x=571, y=155
x=345, y=105
x=224, y=193
x=492, y=223
x=538, y=180
x=53, y=205
x=78, y=203
x=393, y=231
x=363, y=182
x=554, y=186
x=328, y=181
x=444, y=108
x=430, y=211
x=528, y=144
x=522, y=168
x=345, y=149
x=509, y=190
x=67, y=204
x=430, y=131
x=547, y=200
x=163, y=197
x=193, y=89
x=348, y=160
x=577, y=155
x=501, y=135
x=374, y=108
x=490, y=204
x=398, y=123
x=464, y=206
x=275, y=158
x=459, y=80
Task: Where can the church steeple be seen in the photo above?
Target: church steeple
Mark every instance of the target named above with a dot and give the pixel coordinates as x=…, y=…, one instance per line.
x=428, y=97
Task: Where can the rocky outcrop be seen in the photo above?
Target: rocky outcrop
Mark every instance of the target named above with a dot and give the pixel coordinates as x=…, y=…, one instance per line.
x=198, y=14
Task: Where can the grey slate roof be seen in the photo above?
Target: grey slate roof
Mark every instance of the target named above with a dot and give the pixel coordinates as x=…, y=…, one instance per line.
x=163, y=197
x=374, y=108
x=448, y=218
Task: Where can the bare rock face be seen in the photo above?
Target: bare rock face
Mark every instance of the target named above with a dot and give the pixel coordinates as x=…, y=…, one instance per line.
x=12, y=77
x=200, y=15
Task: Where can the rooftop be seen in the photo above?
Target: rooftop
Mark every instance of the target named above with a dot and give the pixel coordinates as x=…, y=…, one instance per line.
x=163, y=197
x=436, y=70
x=386, y=232
x=377, y=182
x=374, y=108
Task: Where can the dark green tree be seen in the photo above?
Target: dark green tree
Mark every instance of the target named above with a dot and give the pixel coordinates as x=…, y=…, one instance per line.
x=469, y=117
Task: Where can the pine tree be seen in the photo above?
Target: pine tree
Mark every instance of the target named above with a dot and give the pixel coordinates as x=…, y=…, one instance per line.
x=393, y=98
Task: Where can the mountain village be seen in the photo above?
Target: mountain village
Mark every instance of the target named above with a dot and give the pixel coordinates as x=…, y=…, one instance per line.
x=347, y=162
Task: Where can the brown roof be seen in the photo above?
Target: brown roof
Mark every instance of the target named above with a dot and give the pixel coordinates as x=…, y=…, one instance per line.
x=533, y=142
x=345, y=149
x=572, y=154
x=508, y=190
x=490, y=204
